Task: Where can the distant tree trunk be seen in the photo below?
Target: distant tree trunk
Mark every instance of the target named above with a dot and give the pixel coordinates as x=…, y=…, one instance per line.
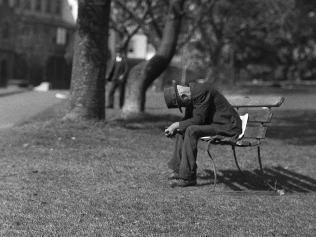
x=143, y=74
x=87, y=96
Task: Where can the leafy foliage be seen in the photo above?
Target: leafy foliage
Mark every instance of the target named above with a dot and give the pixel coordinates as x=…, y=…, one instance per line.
x=263, y=33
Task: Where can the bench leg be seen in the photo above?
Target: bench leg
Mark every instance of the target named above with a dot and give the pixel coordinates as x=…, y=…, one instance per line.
x=259, y=159
x=236, y=161
x=213, y=163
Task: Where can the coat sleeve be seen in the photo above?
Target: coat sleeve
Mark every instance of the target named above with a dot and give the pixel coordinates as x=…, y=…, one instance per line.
x=200, y=112
x=110, y=75
x=187, y=113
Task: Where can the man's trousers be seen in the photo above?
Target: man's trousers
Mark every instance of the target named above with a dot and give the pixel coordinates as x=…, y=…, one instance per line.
x=120, y=85
x=185, y=152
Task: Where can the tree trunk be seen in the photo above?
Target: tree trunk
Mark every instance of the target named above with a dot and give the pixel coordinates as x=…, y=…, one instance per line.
x=87, y=96
x=143, y=74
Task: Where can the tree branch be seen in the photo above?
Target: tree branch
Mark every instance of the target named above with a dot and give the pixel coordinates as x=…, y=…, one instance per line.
x=197, y=21
x=153, y=20
x=138, y=20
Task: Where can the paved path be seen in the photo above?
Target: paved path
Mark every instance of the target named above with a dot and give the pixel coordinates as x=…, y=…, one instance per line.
x=10, y=90
x=17, y=108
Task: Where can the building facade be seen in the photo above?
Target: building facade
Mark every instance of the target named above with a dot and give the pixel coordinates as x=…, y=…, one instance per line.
x=36, y=42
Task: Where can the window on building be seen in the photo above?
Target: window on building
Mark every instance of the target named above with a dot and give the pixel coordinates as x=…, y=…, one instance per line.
x=3, y=2
x=48, y=6
x=11, y=3
x=17, y=3
x=38, y=5
x=58, y=7
x=5, y=30
x=27, y=4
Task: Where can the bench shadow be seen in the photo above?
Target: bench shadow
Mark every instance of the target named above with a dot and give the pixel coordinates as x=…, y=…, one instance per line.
x=277, y=177
x=294, y=126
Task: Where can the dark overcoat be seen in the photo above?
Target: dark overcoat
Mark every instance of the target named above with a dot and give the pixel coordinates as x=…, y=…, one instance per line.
x=209, y=107
x=118, y=71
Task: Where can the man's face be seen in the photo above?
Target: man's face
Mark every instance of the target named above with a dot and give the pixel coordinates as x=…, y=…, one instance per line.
x=184, y=94
x=118, y=58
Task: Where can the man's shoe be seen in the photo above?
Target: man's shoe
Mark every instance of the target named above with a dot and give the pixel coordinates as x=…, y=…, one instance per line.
x=173, y=175
x=183, y=183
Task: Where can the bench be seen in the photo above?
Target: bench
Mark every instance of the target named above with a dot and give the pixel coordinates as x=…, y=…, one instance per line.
x=259, y=109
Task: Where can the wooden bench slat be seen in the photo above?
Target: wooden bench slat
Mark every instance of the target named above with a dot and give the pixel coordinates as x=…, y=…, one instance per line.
x=252, y=132
x=262, y=115
x=255, y=132
x=247, y=142
x=255, y=101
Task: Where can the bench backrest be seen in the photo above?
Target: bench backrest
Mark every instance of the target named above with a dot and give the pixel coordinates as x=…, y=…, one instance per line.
x=259, y=109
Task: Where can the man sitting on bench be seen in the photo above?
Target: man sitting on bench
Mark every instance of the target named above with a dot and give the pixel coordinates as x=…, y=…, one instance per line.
x=207, y=113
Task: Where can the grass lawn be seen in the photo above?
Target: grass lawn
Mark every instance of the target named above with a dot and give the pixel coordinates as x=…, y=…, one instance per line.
x=96, y=179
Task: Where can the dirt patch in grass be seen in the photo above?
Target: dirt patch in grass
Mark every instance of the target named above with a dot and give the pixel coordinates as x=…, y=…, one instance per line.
x=108, y=179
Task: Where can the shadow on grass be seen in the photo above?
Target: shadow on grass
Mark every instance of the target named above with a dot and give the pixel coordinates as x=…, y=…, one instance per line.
x=295, y=127
x=146, y=121
x=277, y=177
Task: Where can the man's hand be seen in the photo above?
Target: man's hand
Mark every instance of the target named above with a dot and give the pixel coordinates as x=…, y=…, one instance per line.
x=172, y=129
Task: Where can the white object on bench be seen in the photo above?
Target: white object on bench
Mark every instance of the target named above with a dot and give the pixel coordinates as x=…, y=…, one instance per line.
x=244, y=120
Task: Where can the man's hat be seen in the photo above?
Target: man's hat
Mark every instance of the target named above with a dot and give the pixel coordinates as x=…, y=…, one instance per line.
x=172, y=97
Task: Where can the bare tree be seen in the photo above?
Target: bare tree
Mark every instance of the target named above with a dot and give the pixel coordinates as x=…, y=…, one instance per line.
x=143, y=74
x=87, y=97
x=127, y=19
